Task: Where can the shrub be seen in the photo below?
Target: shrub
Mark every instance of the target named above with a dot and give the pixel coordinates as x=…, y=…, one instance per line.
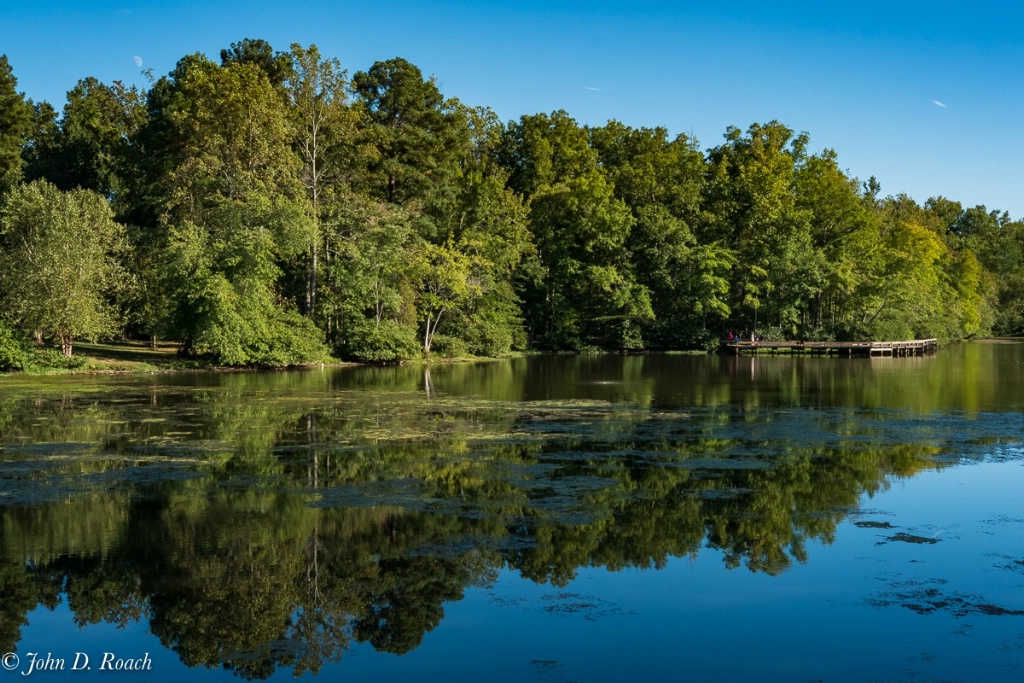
x=447, y=346
x=487, y=338
x=772, y=334
x=13, y=350
x=292, y=339
x=54, y=359
x=705, y=340
x=383, y=341
x=629, y=336
x=819, y=334
x=889, y=328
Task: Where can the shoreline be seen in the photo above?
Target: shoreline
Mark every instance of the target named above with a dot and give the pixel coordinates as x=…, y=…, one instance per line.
x=138, y=358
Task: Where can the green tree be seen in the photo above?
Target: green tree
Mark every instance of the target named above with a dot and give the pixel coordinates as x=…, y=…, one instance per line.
x=904, y=295
x=230, y=137
x=541, y=150
x=92, y=147
x=371, y=279
x=41, y=140
x=476, y=215
x=585, y=292
x=60, y=262
x=13, y=351
x=445, y=284
x=662, y=181
x=258, y=52
x=843, y=240
x=15, y=126
x=230, y=214
x=225, y=294
x=998, y=244
x=752, y=209
x=416, y=133
x=324, y=128
x=591, y=297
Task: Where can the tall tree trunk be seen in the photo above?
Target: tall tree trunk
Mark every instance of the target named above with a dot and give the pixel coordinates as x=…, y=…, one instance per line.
x=311, y=279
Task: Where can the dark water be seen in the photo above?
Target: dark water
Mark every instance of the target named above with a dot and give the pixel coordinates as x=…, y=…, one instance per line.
x=552, y=519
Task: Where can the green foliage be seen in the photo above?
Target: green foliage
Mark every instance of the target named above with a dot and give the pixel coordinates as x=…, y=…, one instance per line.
x=368, y=293
x=231, y=219
x=60, y=262
x=14, y=351
x=445, y=286
x=754, y=212
x=484, y=226
x=775, y=333
x=541, y=150
x=379, y=341
x=91, y=148
x=15, y=127
x=324, y=127
x=998, y=245
x=53, y=359
x=224, y=291
x=269, y=185
x=213, y=116
x=495, y=327
x=259, y=53
x=581, y=231
x=416, y=134
x=446, y=346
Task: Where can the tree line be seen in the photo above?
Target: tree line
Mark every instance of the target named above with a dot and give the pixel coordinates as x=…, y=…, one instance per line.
x=270, y=209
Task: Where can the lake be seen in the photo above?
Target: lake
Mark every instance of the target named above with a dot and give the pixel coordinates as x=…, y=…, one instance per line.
x=549, y=518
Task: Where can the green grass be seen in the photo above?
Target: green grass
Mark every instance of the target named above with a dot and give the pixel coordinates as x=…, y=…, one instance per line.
x=128, y=357
x=124, y=356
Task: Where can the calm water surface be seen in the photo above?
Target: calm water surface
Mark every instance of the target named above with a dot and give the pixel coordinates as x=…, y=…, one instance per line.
x=552, y=519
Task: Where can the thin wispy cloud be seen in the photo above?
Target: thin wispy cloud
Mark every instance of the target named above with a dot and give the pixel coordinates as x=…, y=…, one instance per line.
x=591, y=88
x=939, y=104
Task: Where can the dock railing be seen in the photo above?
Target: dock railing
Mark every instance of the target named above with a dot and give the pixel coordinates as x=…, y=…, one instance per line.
x=912, y=347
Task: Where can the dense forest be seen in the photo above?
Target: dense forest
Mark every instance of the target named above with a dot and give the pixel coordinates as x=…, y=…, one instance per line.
x=271, y=209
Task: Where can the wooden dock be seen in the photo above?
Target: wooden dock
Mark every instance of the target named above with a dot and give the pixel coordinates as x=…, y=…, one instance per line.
x=913, y=347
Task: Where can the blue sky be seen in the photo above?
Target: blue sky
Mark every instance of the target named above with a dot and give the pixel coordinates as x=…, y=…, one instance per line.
x=926, y=96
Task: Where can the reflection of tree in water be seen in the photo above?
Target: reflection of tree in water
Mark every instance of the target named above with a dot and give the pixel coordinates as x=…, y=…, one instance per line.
x=19, y=595
x=408, y=602
x=255, y=580
x=306, y=524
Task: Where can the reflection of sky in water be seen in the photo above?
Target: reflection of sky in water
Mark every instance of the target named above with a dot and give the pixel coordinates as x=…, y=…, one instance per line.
x=855, y=612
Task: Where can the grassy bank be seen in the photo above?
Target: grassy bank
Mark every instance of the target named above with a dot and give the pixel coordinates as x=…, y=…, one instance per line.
x=132, y=357
x=106, y=357
x=119, y=357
